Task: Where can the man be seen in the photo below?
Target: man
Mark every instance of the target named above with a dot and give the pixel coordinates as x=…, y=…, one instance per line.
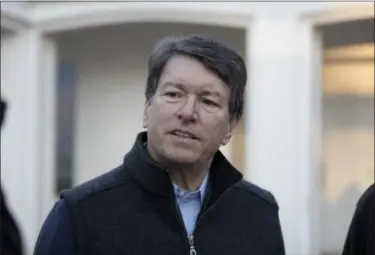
x=361, y=235
x=10, y=235
x=174, y=193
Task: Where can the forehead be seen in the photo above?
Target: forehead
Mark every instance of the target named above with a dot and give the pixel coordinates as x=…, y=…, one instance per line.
x=189, y=72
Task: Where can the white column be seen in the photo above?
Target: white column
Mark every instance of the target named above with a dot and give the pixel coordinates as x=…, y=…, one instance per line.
x=278, y=118
x=48, y=130
x=24, y=154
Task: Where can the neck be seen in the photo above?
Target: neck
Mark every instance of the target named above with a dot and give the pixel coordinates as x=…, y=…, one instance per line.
x=188, y=178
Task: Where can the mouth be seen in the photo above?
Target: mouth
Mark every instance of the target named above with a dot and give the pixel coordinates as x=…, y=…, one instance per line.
x=183, y=134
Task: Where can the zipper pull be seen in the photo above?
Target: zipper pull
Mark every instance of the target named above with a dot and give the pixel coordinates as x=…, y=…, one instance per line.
x=191, y=243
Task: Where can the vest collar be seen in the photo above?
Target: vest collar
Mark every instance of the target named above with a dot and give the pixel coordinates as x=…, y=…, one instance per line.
x=154, y=178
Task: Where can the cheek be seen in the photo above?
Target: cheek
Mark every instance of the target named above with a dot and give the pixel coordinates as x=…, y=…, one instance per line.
x=159, y=114
x=217, y=130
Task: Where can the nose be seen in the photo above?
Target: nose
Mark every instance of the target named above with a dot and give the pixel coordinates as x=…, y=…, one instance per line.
x=187, y=111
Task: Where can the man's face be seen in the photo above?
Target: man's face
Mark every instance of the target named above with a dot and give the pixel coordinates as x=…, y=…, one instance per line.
x=187, y=119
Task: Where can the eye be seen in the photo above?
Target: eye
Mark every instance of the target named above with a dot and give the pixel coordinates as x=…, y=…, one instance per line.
x=173, y=94
x=210, y=103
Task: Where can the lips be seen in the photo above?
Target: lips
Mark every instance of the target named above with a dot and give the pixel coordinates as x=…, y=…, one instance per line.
x=183, y=134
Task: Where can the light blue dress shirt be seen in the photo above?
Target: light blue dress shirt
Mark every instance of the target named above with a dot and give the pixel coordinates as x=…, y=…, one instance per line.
x=190, y=203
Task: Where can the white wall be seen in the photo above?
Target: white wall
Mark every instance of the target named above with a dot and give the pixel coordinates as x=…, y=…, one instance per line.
x=111, y=64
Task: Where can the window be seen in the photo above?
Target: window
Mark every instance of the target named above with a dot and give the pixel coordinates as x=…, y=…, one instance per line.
x=66, y=89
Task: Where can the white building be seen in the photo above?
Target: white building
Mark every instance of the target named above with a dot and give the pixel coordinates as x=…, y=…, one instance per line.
x=73, y=74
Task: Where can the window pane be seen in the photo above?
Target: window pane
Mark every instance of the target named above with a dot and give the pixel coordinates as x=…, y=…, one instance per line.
x=66, y=89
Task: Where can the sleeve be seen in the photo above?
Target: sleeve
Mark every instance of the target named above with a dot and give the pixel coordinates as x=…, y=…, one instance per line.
x=56, y=236
x=353, y=236
x=10, y=235
x=279, y=239
x=361, y=233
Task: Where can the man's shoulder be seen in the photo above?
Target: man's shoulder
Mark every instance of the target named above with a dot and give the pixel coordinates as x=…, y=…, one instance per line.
x=368, y=195
x=260, y=193
x=365, y=202
x=109, y=180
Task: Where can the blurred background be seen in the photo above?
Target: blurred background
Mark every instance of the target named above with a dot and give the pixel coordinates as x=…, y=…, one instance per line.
x=74, y=73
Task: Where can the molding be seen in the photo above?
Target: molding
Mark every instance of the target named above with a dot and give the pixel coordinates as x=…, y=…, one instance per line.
x=11, y=24
x=125, y=16
x=13, y=19
x=350, y=12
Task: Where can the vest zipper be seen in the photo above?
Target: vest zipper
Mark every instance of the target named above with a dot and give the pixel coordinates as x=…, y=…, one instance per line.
x=193, y=251
x=189, y=237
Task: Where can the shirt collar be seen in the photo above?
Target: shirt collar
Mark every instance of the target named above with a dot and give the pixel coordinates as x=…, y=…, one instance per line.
x=179, y=192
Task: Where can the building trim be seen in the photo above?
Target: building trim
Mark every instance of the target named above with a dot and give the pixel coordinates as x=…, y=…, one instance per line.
x=351, y=12
x=12, y=23
x=13, y=18
x=123, y=16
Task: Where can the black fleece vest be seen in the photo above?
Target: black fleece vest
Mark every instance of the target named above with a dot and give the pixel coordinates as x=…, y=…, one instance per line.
x=132, y=210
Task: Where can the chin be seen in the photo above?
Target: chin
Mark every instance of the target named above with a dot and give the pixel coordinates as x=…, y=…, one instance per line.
x=180, y=156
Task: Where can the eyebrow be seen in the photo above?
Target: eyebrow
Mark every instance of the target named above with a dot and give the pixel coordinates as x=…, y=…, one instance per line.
x=211, y=93
x=173, y=84
x=205, y=92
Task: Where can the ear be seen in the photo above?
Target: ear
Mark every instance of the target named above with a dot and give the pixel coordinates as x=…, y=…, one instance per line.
x=228, y=136
x=146, y=114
